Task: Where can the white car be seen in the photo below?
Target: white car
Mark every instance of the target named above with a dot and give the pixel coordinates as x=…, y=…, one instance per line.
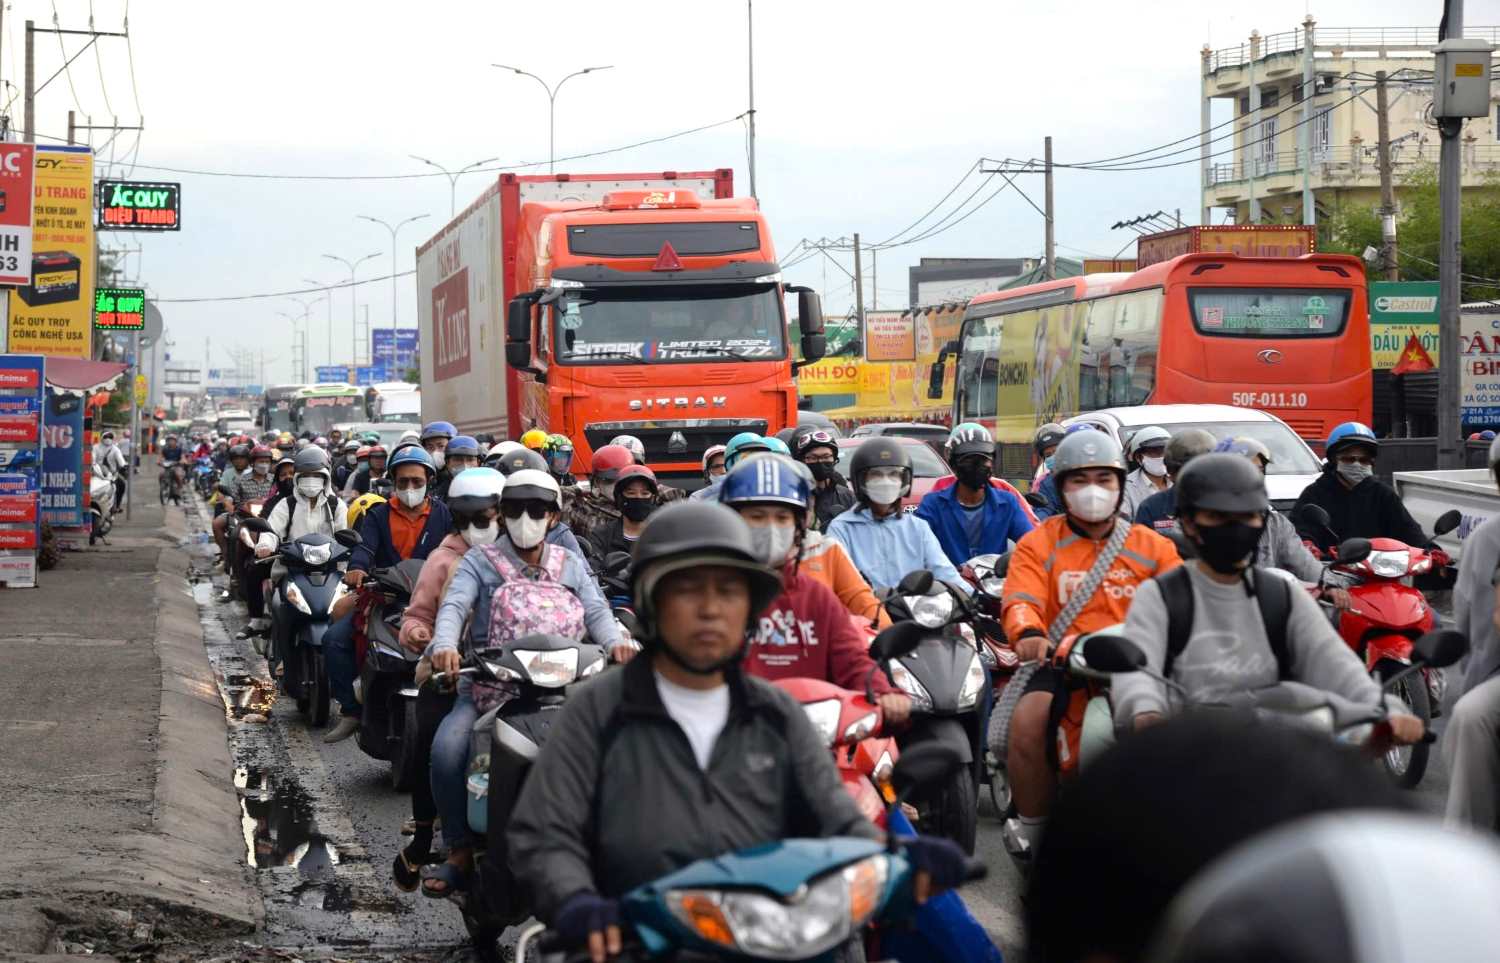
x=1293, y=465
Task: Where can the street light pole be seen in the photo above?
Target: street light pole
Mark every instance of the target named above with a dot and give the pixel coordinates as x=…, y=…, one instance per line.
x=394, y=327
x=307, y=308
x=453, y=177
x=353, y=300
x=552, y=104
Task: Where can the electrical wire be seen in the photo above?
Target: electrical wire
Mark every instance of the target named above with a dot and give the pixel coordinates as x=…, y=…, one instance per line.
x=282, y=294
x=57, y=25
x=941, y=201
x=99, y=65
x=423, y=174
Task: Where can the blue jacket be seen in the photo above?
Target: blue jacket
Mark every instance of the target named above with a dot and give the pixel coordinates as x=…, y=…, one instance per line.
x=377, y=550
x=1003, y=521
x=885, y=551
x=1158, y=512
x=1047, y=488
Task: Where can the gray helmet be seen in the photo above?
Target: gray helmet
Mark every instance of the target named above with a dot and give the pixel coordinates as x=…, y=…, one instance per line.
x=1186, y=445
x=312, y=458
x=1221, y=482
x=1087, y=449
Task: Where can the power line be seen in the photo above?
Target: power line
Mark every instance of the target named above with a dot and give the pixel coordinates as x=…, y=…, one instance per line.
x=281, y=294
x=941, y=201
x=98, y=63
x=63, y=51
x=130, y=58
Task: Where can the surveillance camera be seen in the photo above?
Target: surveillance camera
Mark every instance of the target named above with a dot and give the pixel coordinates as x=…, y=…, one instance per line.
x=1372, y=254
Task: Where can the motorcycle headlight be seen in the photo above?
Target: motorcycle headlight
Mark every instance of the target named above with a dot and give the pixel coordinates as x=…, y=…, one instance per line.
x=921, y=699
x=1390, y=564
x=968, y=696
x=503, y=673
x=316, y=554
x=860, y=728
x=549, y=668
x=930, y=611
x=993, y=585
x=812, y=921
x=338, y=594
x=294, y=596
x=884, y=766
x=824, y=717
x=593, y=668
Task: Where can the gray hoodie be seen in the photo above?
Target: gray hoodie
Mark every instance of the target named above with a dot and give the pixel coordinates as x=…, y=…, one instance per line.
x=1474, y=607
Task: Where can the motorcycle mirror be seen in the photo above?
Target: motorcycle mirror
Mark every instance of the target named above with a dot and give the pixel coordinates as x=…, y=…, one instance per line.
x=1002, y=564
x=255, y=524
x=632, y=625
x=617, y=561
x=348, y=538
x=897, y=640
x=924, y=764
x=1311, y=516
x=915, y=583
x=1035, y=500
x=1352, y=550
x=1106, y=652
x=1441, y=647
x=1447, y=522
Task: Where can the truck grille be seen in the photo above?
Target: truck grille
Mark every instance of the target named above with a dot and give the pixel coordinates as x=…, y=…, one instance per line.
x=693, y=436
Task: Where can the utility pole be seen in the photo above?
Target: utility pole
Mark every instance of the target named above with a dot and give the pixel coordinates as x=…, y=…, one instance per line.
x=859, y=290
x=28, y=129
x=1450, y=190
x=750, y=33
x=874, y=282
x=135, y=419
x=1387, y=189
x=1051, y=244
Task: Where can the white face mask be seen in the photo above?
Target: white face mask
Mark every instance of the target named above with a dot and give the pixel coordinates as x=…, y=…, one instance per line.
x=437, y=459
x=412, y=497
x=1154, y=466
x=260, y=468
x=1092, y=503
x=477, y=536
x=772, y=543
x=309, y=486
x=351, y=459
x=883, y=491
x=526, y=532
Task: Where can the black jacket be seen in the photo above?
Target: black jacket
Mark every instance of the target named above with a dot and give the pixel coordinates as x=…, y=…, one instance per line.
x=616, y=798
x=830, y=502
x=609, y=538
x=1371, y=509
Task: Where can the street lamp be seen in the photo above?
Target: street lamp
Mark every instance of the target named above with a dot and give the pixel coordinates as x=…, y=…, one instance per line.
x=552, y=103
x=453, y=177
x=394, y=327
x=353, y=301
x=294, y=319
x=307, y=306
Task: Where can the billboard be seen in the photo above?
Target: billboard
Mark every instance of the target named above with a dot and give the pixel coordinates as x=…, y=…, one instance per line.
x=1399, y=309
x=890, y=336
x=140, y=206
x=120, y=309
x=1246, y=240
x=1479, y=389
x=17, y=167
x=53, y=313
x=22, y=395
x=405, y=351
x=63, y=503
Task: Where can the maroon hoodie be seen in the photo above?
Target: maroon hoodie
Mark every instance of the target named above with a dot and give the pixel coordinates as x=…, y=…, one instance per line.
x=806, y=633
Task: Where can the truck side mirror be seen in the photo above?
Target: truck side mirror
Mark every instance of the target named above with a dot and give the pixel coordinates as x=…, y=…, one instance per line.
x=810, y=319
x=518, y=322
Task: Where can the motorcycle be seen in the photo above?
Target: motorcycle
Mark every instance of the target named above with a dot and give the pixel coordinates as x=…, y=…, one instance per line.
x=386, y=689
x=101, y=507
x=205, y=477
x=1386, y=615
x=240, y=542
x=300, y=604
x=504, y=743
x=796, y=899
x=986, y=575
x=169, y=483
x=946, y=680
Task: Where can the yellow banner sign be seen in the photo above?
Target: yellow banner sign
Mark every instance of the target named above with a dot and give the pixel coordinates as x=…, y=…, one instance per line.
x=52, y=315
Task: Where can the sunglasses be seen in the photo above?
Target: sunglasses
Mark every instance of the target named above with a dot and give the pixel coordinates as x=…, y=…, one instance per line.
x=537, y=510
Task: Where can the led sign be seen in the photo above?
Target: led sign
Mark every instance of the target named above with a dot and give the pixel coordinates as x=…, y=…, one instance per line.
x=140, y=206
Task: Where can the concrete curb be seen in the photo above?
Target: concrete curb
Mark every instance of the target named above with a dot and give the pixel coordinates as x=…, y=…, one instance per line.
x=194, y=854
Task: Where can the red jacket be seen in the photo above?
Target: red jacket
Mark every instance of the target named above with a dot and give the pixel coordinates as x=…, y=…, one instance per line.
x=806, y=633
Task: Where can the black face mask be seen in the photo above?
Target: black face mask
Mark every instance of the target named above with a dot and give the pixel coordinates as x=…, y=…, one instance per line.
x=1225, y=547
x=823, y=471
x=637, y=509
x=972, y=475
x=284, y=485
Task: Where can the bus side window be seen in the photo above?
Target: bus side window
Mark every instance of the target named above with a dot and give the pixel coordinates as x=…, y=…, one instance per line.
x=1137, y=334
x=979, y=361
x=1095, y=350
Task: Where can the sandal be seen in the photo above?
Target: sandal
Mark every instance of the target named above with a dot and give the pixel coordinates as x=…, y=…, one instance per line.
x=454, y=880
x=408, y=875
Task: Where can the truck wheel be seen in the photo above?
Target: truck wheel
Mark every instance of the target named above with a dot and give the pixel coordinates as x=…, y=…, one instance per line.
x=1407, y=764
x=403, y=725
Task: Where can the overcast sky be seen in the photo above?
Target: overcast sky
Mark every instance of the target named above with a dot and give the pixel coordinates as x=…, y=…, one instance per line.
x=867, y=113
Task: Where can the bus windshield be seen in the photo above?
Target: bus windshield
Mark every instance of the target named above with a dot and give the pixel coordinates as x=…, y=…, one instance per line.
x=681, y=323
x=278, y=414
x=319, y=415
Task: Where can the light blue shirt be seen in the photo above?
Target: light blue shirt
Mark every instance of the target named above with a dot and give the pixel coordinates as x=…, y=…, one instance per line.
x=886, y=550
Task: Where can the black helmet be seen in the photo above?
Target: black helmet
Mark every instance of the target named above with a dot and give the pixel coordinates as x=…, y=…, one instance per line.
x=240, y=451
x=690, y=534
x=1221, y=482
x=1186, y=445
x=970, y=440
x=1048, y=436
x=880, y=452
x=520, y=458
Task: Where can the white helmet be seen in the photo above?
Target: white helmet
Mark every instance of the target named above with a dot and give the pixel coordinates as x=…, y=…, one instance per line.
x=500, y=449
x=474, y=490
x=1149, y=435
x=532, y=483
x=632, y=444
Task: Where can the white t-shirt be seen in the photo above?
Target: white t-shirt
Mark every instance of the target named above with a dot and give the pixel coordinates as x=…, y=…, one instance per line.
x=700, y=712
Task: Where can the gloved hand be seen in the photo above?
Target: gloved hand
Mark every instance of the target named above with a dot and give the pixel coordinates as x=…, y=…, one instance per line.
x=939, y=864
x=588, y=919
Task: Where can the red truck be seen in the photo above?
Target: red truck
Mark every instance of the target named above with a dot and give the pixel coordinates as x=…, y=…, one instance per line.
x=642, y=304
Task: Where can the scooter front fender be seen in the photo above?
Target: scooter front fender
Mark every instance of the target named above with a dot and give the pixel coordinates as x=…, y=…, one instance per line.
x=1393, y=647
x=942, y=729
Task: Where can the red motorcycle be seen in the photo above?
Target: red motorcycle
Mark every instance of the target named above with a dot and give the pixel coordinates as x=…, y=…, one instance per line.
x=1385, y=616
x=853, y=729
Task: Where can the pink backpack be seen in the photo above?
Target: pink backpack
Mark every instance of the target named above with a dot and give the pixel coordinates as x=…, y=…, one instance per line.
x=527, y=602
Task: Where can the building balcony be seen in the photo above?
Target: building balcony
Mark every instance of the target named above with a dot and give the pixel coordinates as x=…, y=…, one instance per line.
x=1348, y=166
x=1337, y=41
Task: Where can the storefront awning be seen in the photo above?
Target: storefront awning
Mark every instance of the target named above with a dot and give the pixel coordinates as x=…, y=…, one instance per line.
x=79, y=377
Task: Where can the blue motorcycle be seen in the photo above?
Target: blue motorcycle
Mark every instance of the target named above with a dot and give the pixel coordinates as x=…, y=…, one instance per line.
x=796, y=899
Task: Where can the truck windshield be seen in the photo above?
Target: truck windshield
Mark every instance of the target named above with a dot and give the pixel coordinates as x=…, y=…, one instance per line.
x=698, y=322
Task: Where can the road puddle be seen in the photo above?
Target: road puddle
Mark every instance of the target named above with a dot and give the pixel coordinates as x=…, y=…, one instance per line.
x=279, y=826
x=246, y=695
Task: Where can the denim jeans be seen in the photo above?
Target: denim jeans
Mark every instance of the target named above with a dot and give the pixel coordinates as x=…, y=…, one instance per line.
x=338, y=659
x=450, y=762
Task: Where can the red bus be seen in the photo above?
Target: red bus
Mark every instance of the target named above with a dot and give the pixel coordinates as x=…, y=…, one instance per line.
x=1290, y=336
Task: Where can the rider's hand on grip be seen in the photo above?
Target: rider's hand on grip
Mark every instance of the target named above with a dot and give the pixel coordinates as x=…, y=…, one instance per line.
x=262, y=551
x=445, y=661
x=1031, y=648
x=588, y=919
x=941, y=864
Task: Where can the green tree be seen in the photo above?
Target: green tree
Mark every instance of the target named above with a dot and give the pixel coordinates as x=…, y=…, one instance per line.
x=1418, y=227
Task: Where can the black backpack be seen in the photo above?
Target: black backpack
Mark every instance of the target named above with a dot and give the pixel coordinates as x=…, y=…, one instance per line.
x=1272, y=594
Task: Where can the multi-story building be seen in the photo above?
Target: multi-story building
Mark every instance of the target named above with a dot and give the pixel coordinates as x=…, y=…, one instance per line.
x=1303, y=142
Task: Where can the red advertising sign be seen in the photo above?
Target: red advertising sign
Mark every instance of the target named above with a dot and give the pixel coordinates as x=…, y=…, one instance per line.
x=18, y=508
x=19, y=428
x=18, y=537
x=450, y=326
x=20, y=378
x=17, y=165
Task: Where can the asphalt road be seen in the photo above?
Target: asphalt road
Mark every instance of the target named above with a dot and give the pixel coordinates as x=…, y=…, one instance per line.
x=323, y=822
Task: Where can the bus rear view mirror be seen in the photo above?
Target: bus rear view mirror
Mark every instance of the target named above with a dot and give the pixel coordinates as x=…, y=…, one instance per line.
x=935, y=379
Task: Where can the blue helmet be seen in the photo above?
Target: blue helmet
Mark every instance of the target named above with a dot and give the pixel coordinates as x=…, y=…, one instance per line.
x=411, y=455
x=1350, y=433
x=462, y=445
x=745, y=441
x=766, y=478
x=438, y=429
x=777, y=446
